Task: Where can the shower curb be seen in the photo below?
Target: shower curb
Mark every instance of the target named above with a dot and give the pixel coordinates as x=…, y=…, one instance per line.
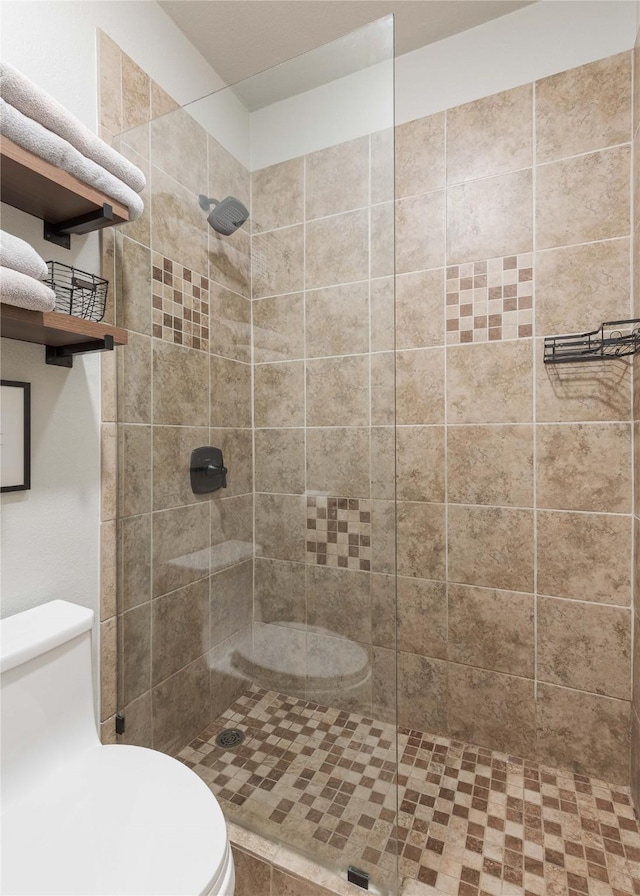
x=292, y=864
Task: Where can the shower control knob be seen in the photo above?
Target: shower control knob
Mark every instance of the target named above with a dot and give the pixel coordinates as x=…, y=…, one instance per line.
x=208, y=472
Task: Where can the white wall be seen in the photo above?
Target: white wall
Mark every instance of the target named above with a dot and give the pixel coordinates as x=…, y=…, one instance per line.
x=539, y=40
x=50, y=534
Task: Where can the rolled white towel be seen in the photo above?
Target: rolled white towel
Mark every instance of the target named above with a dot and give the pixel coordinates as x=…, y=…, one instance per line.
x=20, y=92
x=21, y=257
x=25, y=292
x=33, y=136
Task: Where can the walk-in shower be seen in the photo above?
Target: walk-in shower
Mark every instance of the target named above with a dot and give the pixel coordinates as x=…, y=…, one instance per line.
x=364, y=347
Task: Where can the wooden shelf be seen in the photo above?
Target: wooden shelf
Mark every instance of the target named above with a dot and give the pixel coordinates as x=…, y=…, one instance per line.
x=56, y=330
x=39, y=188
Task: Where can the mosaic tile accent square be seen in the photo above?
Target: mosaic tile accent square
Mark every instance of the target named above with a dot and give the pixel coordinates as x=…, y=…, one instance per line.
x=490, y=300
x=339, y=532
x=471, y=821
x=180, y=304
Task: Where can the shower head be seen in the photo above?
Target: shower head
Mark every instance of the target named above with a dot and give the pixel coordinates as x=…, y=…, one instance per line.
x=226, y=216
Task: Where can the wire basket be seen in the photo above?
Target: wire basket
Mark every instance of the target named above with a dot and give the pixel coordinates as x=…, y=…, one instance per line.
x=77, y=292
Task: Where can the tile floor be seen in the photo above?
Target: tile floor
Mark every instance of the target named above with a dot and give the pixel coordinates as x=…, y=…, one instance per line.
x=470, y=821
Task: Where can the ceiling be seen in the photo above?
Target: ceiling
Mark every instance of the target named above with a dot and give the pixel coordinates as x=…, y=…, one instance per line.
x=239, y=38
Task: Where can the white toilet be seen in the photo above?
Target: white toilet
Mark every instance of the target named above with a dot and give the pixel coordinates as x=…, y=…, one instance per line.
x=80, y=818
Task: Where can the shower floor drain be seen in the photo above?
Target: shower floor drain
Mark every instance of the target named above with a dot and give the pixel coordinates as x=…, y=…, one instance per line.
x=230, y=738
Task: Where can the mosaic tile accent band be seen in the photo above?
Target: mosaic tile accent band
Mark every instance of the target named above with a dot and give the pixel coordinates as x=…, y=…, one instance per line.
x=490, y=300
x=180, y=304
x=471, y=821
x=339, y=532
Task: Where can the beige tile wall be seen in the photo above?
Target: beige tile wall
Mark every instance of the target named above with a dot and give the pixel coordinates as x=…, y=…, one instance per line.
x=324, y=410
x=177, y=568
x=514, y=480
x=635, y=704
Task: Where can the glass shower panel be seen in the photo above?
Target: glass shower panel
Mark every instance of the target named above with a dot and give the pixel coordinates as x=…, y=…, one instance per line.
x=257, y=623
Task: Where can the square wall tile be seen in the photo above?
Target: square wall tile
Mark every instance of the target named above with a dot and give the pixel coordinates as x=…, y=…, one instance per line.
x=492, y=709
x=490, y=136
x=584, y=466
x=584, y=646
x=579, y=287
x=585, y=556
x=491, y=546
x=337, y=249
x=280, y=594
x=490, y=217
x=339, y=600
x=490, y=465
x=583, y=733
x=583, y=199
x=490, y=383
x=338, y=391
x=279, y=526
x=279, y=461
x=337, y=178
x=180, y=385
x=337, y=320
x=278, y=394
x=584, y=108
x=338, y=461
x=492, y=629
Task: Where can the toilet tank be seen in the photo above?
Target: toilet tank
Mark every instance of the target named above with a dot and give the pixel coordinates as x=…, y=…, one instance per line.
x=46, y=694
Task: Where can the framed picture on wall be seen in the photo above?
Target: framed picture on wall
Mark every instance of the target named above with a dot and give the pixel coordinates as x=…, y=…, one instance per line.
x=15, y=436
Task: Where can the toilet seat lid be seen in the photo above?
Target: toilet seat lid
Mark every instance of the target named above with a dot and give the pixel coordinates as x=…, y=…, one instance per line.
x=118, y=820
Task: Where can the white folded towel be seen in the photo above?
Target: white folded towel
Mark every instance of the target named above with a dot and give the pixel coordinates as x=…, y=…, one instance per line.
x=21, y=257
x=25, y=292
x=20, y=92
x=33, y=136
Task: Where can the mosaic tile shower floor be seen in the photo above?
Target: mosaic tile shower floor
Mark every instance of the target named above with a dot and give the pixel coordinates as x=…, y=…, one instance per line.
x=471, y=821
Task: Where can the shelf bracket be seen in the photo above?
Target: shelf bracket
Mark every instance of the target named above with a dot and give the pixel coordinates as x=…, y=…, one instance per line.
x=60, y=233
x=62, y=355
